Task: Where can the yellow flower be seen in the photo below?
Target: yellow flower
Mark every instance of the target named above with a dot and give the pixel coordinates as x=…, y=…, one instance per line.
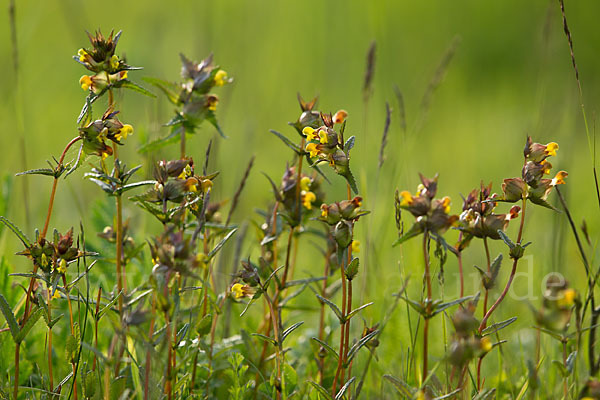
x=104, y=155
x=186, y=173
x=551, y=149
x=124, y=132
x=56, y=294
x=323, y=137
x=44, y=260
x=559, y=178
x=307, y=199
x=206, y=184
x=85, y=82
x=567, y=299
x=202, y=260
x=355, y=246
x=309, y=133
x=486, y=344
x=312, y=149
x=62, y=266
x=407, y=198
x=220, y=78
x=237, y=290
x=211, y=102
x=547, y=166
x=324, y=210
x=340, y=116
x=305, y=183
x=446, y=204
x=82, y=54
x=114, y=62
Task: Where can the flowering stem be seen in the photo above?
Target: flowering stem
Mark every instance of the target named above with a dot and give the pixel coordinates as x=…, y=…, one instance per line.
x=149, y=352
x=182, y=143
x=322, y=317
x=489, y=270
x=342, y=335
x=348, y=308
x=119, y=235
x=487, y=315
x=73, y=364
x=287, y=261
x=510, y=278
x=46, y=224
x=55, y=184
x=42, y=236
x=51, y=381
x=565, y=382
x=16, y=387
x=428, y=302
x=460, y=268
x=96, y=326
x=278, y=347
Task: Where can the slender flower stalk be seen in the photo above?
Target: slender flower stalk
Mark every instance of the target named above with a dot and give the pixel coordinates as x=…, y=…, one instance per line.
x=427, y=302
x=513, y=271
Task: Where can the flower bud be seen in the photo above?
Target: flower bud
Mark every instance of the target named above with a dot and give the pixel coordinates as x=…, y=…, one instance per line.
x=342, y=234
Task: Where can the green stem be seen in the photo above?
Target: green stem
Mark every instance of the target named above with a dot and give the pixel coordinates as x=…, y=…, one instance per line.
x=16, y=386
x=428, y=302
x=510, y=278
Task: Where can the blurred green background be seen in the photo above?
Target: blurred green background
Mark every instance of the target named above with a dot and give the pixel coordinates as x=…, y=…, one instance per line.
x=511, y=76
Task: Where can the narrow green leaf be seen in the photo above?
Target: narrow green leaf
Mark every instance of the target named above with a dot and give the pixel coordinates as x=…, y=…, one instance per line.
x=219, y=245
x=127, y=84
x=357, y=346
x=356, y=310
x=10, y=317
x=322, y=391
x=38, y=171
x=402, y=387
x=327, y=347
x=340, y=394
x=333, y=307
x=170, y=89
x=22, y=237
x=265, y=338
x=30, y=323
x=290, y=330
x=497, y=326
x=288, y=142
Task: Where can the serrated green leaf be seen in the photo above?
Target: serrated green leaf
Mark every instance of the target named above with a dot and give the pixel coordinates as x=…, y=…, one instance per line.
x=356, y=310
x=9, y=317
x=303, y=281
x=289, y=330
x=127, y=84
x=22, y=237
x=327, y=347
x=441, y=307
x=402, y=387
x=288, y=142
x=212, y=119
x=333, y=307
x=414, y=231
x=349, y=144
x=265, y=338
x=38, y=171
x=340, y=394
x=130, y=186
x=219, y=245
x=170, y=89
x=30, y=323
x=497, y=326
x=322, y=391
x=358, y=345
